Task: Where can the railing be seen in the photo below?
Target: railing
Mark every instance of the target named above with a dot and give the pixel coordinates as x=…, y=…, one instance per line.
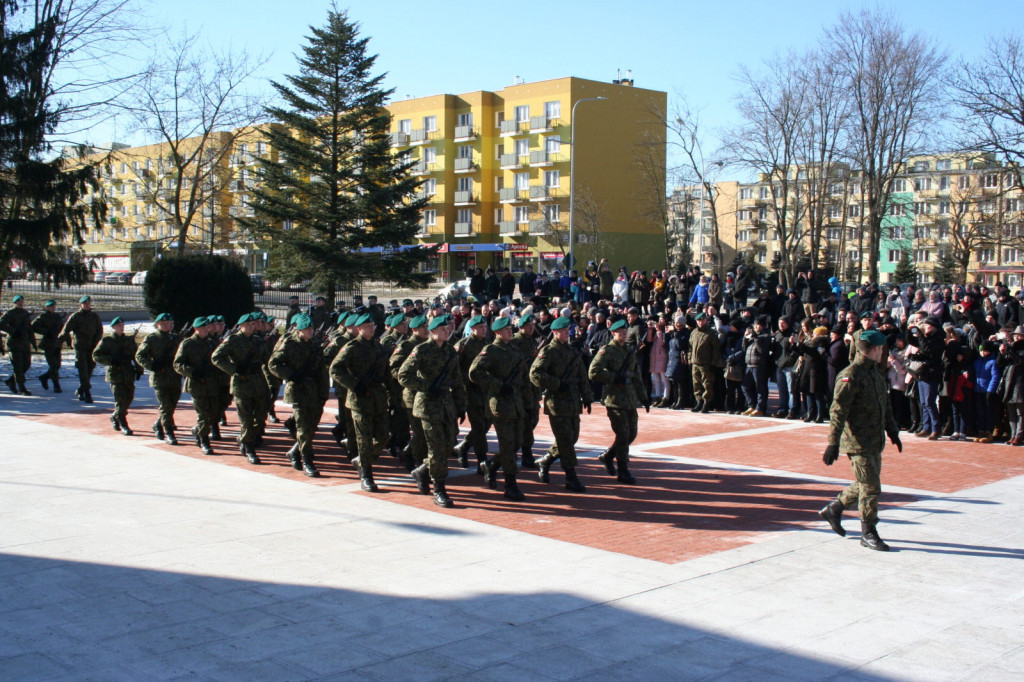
x=463, y=132
x=510, y=194
x=539, y=226
x=399, y=139
x=508, y=227
x=464, y=197
x=513, y=127
x=463, y=229
x=464, y=164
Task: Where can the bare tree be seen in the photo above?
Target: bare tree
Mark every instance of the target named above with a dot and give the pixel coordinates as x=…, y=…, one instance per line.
x=893, y=81
x=649, y=159
x=969, y=224
x=197, y=102
x=989, y=95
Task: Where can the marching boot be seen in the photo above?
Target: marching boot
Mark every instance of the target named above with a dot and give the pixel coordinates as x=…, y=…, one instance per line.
x=606, y=459
x=528, y=461
x=11, y=385
x=170, y=439
x=44, y=379
x=337, y=431
x=158, y=430
x=22, y=390
x=79, y=394
x=832, y=512
x=480, y=459
x=573, y=482
x=115, y=422
x=124, y=426
x=87, y=395
x=422, y=478
x=223, y=420
x=544, y=468
x=366, y=481
x=441, y=498
x=56, y=385
x=869, y=538
x=405, y=457
x=624, y=475
x=512, y=491
x=462, y=452
x=490, y=471
x=250, y=453
x=698, y=406
x=308, y=468
x=204, y=445
x=293, y=457
x=215, y=431
x=705, y=407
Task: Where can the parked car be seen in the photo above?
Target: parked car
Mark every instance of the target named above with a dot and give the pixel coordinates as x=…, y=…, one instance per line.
x=100, y=276
x=140, y=277
x=119, y=278
x=459, y=289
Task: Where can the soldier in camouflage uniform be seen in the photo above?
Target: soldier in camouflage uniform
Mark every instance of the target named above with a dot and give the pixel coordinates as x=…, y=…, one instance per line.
x=361, y=368
x=432, y=370
x=241, y=355
x=156, y=354
x=344, y=431
x=273, y=337
x=48, y=325
x=860, y=419
x=476, y=401
x=498, y=370
x=298, y=360
x=562, y=374
x=526, y=344
x=223, y=380
x=705, y=359
x=116, y=352
x=193, y=362
x=85, y=326
x=398, y=422
x=416, y=451
x=17, y=323
x=616, y=367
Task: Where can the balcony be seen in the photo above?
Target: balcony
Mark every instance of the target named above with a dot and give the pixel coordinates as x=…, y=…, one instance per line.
x=423, y=194
x=464, y=198
x=424, y=168
x=540, y=124
x=465, y=165
x=463, y=229
x=423, y=136
x=463, y=133
x=508, y=227
x=511, y=194
x=540, y=226
x=544, y=158
x=514, y=128
x=507, y=161
x=399, y=139
x=543, y=193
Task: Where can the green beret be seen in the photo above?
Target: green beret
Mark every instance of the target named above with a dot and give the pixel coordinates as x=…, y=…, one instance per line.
x=439, y=321
x=342, y=318
x=621, y=324
x=525, y=319
x=116, y=321
x=407, y=301
x=500, y=324
x=200, y=322
x=699, y=316
x=85, y=299
x=216, y=318
x=164, y=317
x=257, y=316
x=560, y=323
x=417, y=322
x=302, y=321
x=17, y=298
x=393, y=320
x=269, y=319
x=866, y=314
x=873, y=338
x=241, y=320
x=49, y=303
x=475, y=320
x=362, y=319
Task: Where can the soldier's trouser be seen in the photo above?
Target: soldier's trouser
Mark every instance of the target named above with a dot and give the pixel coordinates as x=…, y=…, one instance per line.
x=864, y=491
x=124, y=394
x=352, y=437
x=530, y=421
x=248, y=409
x=567, y=432
x=52, y=356
x=371, y=429
x=85, y=365
x=440, y=436
x=307, y=418
x=207, y=411
x=624, y=425
x=509, y=432
x=418, y=443
x=398, y=425
x=21, y=360
x=167, y=399
x=479, y=425
x=703, y=384
x=223, y=402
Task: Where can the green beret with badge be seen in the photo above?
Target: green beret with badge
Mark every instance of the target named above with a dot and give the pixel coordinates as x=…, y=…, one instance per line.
x=302, y=321
x=500, y=324
x=873, y=337
x=621, y=324
x=475, y=320
x=560, y=323
x=439, y=321
x=116, y=321
x=164, y=317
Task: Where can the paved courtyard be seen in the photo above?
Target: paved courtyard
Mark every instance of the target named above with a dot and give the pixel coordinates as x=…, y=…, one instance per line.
x=124, y=558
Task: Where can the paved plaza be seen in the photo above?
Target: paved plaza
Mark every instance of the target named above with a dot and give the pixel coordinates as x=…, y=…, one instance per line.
x=126, y=559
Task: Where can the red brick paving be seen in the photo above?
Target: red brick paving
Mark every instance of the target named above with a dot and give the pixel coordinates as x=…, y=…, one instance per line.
x=677, y=512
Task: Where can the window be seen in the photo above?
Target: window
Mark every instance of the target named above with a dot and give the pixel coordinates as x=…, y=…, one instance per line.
x=922, y=184
x=988, y=206
x=922, y=208
x=522, y=147
x=551, y=213
x=405, y=126
x=762, y=257
x=465, y=120
x=963, y=182
x=522, y=181
x=465, y=185
x=499, y=118
x=430, y=124
x=943, y=164
x=922, y=255
x=553, y=109
x=429, y=155
x=522, y=214
x=835, y=189
x=149, y=164
x=498, y=215
x=897, y=209
x=465, y=215
x=853, y=254
x=1012, y=255
x=834, y=234
x=944, y=182
x=135, y=166
x=124, y=189
x=896, y=231
x=762, y=213
x=990, y=180
x=920, y=166
x=124, y=167
x=744, y=235
x=552, y=178
x=747, y=193
x=835, y=211
x=899, y=185
x=745, y=214
x=943, y=208
x=429, y=218
x=853, y=211
x=522, y=113
x=430, y=187
x=465, y=151
x=984, y=255
x=922, y=232
x=553, y=144
x=764, y=193
x=1014, y=205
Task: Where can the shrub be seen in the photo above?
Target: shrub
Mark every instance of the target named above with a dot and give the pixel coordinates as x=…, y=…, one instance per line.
x=193, y=285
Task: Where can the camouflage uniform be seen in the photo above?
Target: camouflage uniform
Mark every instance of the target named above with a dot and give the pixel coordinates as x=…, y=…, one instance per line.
x=526, y=346
x=117, y=353
x=498, y=371
x=360, y=368
x=476, y=401
x=20, y=340
x=87, y=329
x=48, y=326
x=616, y=367
x=418, y=444
x=193, y=362
x=705, y=359
x=156, y=354
x=345, y=429
x=398, y=422
x=242, y=358
x=300, y=363
x=560, y=371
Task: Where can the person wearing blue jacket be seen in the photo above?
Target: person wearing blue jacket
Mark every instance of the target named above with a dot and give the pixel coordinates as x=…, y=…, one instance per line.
x=700, y=292
x=986, y=383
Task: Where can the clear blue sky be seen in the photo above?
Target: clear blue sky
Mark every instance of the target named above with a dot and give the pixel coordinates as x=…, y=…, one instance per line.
x=677, y=46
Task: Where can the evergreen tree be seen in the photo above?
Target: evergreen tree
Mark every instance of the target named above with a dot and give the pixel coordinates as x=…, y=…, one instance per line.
x=335, y=182
x=947, y=270
x=905, y=270
x=42, y=212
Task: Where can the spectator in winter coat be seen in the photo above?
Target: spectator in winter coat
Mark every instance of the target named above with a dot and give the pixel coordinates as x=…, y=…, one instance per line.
x=757, y=348
x=986, y=383
x=792, y=307
x=620, y=290
x=700, y=292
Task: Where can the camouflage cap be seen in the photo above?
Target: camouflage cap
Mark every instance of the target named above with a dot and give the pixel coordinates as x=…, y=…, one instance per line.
x=302, y=321
x=500, y=324
x=560, y=323
x=417, y=322
x=439, y=321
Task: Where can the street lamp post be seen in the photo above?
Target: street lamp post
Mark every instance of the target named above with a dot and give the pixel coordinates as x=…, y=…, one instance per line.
x=572, y=177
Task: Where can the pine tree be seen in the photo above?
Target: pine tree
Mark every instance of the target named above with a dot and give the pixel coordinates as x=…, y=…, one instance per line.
x=906, y=271
x=42, y=212
x=335, y=180
x=947, y=270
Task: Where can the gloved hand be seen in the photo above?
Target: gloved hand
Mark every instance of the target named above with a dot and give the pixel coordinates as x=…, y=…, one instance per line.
x=894, y=438
x=831, y=455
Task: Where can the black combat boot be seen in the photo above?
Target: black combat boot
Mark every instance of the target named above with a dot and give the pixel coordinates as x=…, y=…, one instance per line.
x=308, y=468
x=606, y=459
x=44, y=379
x=204, y=445
x=223, y=420
x=698, y=406
x=366, y=481
x=544, y=468
x=462, y=452
x=293, y=457
x=87, y=395
x=249, y=452
x=441, y=498
x=480, y=459
x=705, y=407
x=573, y=482
x=512, y=491
x=22, y=390
x=405, y=457
x=528, y=461
x=832, y=512
x=490, y=471
x=124, y=426
x=158, y=430
x=215, y=431
x=422, y=478
x=869, y=537
x=337, y=431
x=624, y=475
x=56, y=385
x=170, y=439
x=115, y=422
x=11, y=385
